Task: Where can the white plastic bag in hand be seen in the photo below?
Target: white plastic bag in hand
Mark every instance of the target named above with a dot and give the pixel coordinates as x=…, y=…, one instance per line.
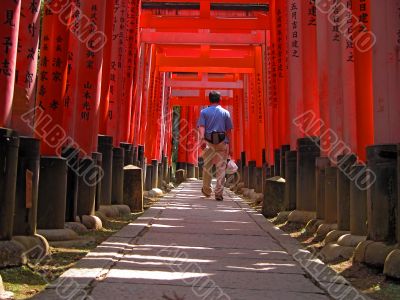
x=231, y=167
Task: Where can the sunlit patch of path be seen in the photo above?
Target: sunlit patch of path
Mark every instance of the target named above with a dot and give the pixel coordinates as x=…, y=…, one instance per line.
x=189, y=247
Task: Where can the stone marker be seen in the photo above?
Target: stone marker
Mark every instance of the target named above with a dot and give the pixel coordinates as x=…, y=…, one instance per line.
x=190, y=171
x=277, y=162
x=117, y=190
x=72, y=157
x=166, y=177
x=180, y=176
x=98, y=159
x=358, y=205
x=141, y=158
x=284, y=149
x=52, y=192
x=259, y=180
x=135, y=155
x=252, y=180
x=321, y=164
x=9, y=144
x=133, y=188
x=87, y=187
x=148, y=178
x=308, y=151
x=382, y=195
x=331, y=195
x=105, y=147
x=154, y=174
x=345, y=162
x=274, y=197
x=128, y=150
x=246, y=176
x=291, y=182
x=26, y=197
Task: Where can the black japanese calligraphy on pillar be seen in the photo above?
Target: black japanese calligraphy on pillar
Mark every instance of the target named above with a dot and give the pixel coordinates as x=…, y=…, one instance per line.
x=9, y=28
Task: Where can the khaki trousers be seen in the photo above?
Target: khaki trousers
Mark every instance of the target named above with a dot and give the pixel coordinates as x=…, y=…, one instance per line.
x=218, y=155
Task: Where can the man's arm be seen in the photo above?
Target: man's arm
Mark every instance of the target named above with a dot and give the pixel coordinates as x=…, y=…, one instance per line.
x=202, y=131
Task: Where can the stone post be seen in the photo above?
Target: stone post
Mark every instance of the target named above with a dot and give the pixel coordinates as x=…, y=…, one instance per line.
x=98, y=160
x=87, y=187
x=308, y=151
x=117, y=194
x=284, y=149
x=148, y=179
x=358, y=204
x=154, y=174
x=72, y=157
x=52, y=192
x=9, y=144
x=105, y=147
x=128, y=158
x=382, y=195
x=321, y=164
x=26, y=197
x=190, y=170
x=291, y=182
x=331, y=195
x=133, y=188
x=345, y=162
x=277, y=159
x=252, y=175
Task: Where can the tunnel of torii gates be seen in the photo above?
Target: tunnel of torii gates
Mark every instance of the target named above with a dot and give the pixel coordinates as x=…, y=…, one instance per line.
x=309, y=84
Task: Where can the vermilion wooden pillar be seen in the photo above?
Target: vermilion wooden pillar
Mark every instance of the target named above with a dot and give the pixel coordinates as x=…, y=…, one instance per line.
x=335, y=87
x=239, y=125
x=26, y=69
x=9, y=28
x=148, y=56
x=52, y=80
x=260, y=104
x=282, y=71
x=183, y=133
x=323, y=75
x=116, y=102
x=310, y=60
x=236, y=143
x=69, y=99
x=246, y=118
x=134, y=53
x=152, y=141
x=295, y=65
x=363, y=78
x=348, y=81
x=130, y=52
x=138, y=95
x=272, y=101
x=106, y=76
x=385, y=25
x=253, y=124
x=87, y=91
x=192, y=141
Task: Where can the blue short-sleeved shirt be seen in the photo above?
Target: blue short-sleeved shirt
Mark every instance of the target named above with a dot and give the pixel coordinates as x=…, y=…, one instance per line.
x=215, y=118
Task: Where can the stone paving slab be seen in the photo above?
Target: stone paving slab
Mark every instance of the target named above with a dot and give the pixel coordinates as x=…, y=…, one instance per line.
x=210, y=240
x=187, y=244
x=155, y=262
x=163, y=292
x=208, y=252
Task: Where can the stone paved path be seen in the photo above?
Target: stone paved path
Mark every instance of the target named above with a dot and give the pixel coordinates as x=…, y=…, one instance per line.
x=189, y=247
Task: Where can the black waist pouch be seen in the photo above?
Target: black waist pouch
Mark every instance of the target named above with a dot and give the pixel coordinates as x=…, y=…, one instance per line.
x=215, y=137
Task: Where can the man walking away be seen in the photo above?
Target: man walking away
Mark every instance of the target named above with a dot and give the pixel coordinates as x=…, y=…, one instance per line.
x=215, y=127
